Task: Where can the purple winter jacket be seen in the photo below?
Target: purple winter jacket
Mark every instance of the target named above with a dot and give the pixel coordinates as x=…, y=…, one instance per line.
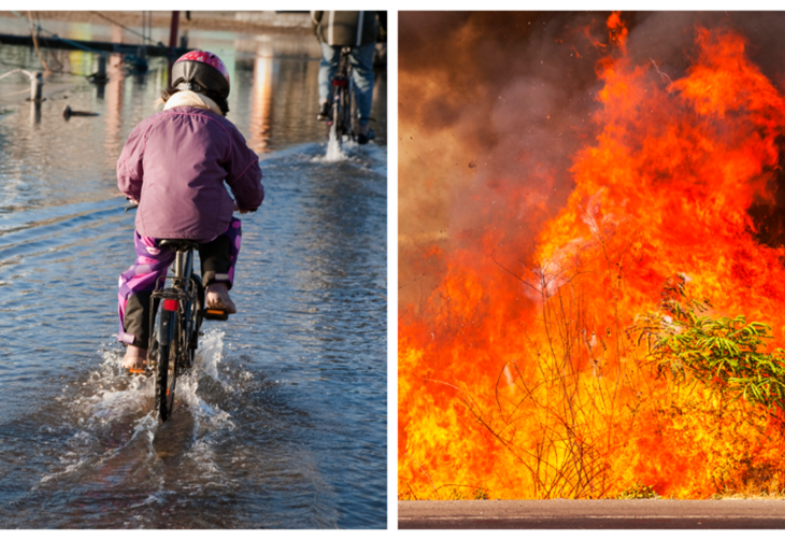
x=175, y=162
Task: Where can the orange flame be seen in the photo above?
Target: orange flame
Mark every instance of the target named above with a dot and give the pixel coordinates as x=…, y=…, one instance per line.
x=528, y=382
x=618, y=30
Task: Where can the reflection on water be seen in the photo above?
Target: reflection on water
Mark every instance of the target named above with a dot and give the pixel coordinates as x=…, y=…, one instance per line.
x=283, y=421
x=274, y=85
x=261, y=102
x=112, y=93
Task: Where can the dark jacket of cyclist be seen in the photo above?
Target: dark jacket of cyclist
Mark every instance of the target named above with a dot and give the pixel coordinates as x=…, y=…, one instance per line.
x=174, y=165
x=347, y=28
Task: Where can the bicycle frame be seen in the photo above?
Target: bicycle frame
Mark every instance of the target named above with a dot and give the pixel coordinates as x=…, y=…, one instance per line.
x=181, y=289
x=343, y=97
x=172, y=348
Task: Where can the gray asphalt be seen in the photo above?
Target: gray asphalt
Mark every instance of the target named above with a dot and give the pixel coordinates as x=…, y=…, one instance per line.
x=596, y=514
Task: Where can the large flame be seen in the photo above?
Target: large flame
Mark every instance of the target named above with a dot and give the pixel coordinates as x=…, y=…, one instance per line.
x=525, y=378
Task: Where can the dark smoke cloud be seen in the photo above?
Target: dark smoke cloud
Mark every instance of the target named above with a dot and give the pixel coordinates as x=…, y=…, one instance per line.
x=475, y=55
x=492, y=101
x=487, y=102
x=668, y=37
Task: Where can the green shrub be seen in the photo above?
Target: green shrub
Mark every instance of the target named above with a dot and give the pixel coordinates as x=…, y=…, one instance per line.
x=726, y=354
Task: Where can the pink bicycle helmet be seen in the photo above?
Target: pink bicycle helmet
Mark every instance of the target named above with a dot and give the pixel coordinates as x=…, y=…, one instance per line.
x=201, y=71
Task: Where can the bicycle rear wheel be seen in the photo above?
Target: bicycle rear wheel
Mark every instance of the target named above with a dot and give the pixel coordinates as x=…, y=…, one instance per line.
x=350, y=110
x=166, y=377
x=193, y=321
x=338, y=113
x=347, y=114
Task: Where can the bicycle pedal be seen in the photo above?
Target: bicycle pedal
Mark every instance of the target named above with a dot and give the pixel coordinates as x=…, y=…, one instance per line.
x=216, y=314
x=144, y=371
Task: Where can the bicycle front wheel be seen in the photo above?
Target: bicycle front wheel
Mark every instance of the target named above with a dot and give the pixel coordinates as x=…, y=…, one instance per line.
x=166, y=378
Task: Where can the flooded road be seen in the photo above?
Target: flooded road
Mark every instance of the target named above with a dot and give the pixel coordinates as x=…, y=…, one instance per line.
x=283, y=422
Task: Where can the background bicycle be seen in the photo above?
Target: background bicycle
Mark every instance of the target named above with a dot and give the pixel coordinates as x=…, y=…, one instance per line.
x=348, y=41
x=343, y=113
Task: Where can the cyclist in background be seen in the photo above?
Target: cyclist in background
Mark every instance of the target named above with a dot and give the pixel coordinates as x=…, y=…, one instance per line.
x=358, y=30
x=174, y=165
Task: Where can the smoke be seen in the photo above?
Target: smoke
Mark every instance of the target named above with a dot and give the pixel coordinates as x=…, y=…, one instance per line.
x=493, y=107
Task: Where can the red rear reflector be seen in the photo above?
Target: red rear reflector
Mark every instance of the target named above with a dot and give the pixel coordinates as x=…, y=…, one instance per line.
x=171, y=304
x=340, y=82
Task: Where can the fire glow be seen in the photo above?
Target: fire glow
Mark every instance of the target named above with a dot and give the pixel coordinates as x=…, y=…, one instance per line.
x=532, y=378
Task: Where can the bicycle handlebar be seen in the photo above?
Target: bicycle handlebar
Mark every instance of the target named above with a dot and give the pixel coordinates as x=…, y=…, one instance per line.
x=135, y=204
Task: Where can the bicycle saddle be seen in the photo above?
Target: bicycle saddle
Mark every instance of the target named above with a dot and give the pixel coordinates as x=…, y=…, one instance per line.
x=179, y=244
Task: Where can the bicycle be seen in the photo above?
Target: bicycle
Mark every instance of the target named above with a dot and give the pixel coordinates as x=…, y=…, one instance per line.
x=181, y=312
x=344, y=108
x=173, y=347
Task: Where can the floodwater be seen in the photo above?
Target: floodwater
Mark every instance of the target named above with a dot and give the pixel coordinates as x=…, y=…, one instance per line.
x=282, y=424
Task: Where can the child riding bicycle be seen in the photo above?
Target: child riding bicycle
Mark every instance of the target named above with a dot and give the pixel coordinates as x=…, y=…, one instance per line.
x=174, y=165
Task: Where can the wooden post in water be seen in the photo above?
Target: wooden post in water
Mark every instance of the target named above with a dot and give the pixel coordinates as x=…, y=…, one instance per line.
x=36, y=86
x=101, y=73
x=174, y=28
x=99, y=77
x=173, y=42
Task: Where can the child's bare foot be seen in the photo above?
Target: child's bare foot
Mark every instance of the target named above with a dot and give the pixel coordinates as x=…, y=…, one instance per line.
x=135, y=359
x=217, y=297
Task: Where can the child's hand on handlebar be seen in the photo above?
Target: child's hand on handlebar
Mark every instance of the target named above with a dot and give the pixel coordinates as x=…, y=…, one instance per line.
x=133, y=204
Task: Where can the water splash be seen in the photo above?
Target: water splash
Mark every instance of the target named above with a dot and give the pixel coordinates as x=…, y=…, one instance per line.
x=334, y=152
x=115, y=423
x=210, y=354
